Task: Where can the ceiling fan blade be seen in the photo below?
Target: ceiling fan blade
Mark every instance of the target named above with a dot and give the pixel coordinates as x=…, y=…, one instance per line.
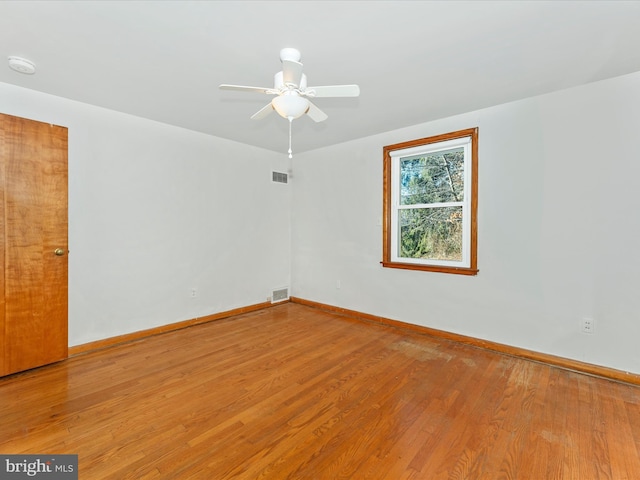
x=291, y=72
x=333, y=91
x=263, y=112
x=316, y=114
x=243, y=88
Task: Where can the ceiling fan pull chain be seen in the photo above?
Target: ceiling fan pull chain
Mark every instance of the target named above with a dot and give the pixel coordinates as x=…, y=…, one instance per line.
x=290, y=123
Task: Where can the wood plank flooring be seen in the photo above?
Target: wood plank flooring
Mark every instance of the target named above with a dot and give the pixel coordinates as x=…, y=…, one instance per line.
x=292, y=392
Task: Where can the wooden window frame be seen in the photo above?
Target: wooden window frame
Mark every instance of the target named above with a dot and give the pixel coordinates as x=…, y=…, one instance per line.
x=387, y=227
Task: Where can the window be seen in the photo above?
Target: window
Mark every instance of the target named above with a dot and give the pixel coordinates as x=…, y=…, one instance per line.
x=430, y=203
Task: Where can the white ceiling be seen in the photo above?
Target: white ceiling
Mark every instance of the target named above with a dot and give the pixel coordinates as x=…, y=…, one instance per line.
x=415, y=61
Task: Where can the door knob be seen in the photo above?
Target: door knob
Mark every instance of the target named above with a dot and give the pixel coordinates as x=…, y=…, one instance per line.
x=59, y=252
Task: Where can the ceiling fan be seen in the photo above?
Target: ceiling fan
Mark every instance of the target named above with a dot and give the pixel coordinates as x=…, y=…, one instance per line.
x=292, y=93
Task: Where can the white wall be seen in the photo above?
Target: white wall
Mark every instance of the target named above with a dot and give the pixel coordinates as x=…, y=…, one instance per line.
x=558, y=233
x=156, y=210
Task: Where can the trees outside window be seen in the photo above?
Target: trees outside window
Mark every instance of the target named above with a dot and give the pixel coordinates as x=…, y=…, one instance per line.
x=430, y=203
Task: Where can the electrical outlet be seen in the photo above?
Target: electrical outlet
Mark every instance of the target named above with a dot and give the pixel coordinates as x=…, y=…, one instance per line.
x=588, y=325
x=194, y=292
x=338, y=284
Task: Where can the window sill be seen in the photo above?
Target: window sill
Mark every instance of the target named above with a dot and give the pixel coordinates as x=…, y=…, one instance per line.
x=431, y=268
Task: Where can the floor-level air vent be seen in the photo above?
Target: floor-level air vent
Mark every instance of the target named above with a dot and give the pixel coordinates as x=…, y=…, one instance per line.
x=280, y=177
x=280, y=295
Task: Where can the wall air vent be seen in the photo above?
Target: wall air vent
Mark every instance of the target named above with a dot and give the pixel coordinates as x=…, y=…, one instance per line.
x=280, y=295
x=279, y=177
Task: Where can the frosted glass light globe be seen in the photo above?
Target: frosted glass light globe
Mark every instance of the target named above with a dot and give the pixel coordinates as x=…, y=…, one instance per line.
x=290, y=106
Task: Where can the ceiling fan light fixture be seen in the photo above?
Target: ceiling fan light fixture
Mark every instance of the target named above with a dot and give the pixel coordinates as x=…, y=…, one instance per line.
x=290, y=106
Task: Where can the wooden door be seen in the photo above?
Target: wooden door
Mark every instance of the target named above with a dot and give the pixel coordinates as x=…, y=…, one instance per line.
x=33, y=253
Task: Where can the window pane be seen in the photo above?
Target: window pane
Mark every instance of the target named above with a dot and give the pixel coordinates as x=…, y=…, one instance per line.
x=431, y=233
x=432, y=178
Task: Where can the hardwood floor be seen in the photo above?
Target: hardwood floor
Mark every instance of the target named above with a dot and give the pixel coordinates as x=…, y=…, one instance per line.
x=292, y=392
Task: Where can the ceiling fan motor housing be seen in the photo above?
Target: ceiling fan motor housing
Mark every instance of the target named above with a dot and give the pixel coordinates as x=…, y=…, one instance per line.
x=278, y=82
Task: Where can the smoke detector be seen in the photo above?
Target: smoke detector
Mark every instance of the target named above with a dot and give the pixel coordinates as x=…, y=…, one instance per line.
x=22, y=65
